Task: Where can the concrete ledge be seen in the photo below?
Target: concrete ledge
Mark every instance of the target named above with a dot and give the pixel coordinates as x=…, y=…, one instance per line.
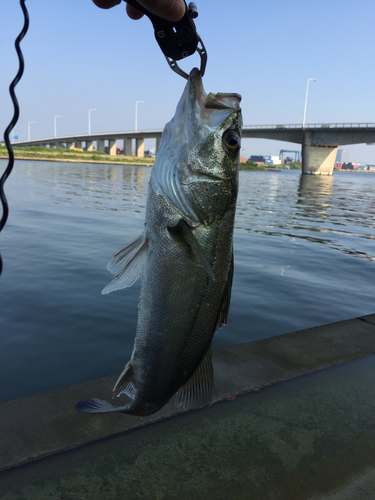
x=45, y=424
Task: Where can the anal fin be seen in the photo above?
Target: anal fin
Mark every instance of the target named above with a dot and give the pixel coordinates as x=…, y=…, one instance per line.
x=125, y=384
x=197, y=391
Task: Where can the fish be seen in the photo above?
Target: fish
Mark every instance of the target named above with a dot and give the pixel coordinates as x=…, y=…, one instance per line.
x=184, y=257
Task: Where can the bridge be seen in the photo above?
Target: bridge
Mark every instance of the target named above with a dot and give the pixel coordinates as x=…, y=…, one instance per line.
x=100, y=139
x=319, y=141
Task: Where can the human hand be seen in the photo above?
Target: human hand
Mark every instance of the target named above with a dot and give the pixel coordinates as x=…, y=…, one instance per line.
x=171, y=10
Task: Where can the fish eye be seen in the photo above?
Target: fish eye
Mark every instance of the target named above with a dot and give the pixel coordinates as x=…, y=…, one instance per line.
x=231, y=140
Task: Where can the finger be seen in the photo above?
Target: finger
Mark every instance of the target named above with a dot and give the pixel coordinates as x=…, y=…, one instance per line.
x=171, y=10
x=133, y=13
x=106, y=4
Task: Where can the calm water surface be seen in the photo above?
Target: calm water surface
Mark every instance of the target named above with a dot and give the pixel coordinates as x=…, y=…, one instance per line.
x=304, y=256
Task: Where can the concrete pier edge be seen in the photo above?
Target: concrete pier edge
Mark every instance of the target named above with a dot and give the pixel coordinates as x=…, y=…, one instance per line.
x=44, y=424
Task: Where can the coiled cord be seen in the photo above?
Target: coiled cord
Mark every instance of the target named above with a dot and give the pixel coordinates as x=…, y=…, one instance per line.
x=14, y=120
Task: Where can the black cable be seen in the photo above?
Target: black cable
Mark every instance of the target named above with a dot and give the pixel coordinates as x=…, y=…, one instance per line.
x=14, y=120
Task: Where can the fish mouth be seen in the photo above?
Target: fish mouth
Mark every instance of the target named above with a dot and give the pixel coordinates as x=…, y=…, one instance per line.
x=228, y=102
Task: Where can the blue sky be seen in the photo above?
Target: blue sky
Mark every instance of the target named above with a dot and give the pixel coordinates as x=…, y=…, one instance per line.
x=80, y=57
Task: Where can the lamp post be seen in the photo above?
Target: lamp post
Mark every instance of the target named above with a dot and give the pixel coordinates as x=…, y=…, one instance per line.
x=57, y=116
x=136, y=113
x=28, y=129
x=307, y=91
x=90, y=119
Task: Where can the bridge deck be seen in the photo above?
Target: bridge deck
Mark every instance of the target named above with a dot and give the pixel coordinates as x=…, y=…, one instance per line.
x=320, y=134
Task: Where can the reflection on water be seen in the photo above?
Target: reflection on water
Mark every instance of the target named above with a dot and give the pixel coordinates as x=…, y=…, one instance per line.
x=333, y=206
x=107, y=187
x=315, y=194
x=304, y=256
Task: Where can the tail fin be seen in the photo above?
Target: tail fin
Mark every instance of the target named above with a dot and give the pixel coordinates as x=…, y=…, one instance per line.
x=99, y=406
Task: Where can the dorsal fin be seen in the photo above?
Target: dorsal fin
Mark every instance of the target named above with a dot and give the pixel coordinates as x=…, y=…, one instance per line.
x=197, y=391
x=183, y=232
x=128, y=263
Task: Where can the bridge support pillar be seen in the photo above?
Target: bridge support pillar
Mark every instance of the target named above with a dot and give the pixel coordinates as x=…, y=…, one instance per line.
x=112, y=147
x=140, y=148
x=318, y=160
x=158, y=141
x=89, y=146
x=127, y=147
x=78, y=144
x=69, y=145
x=100, y=145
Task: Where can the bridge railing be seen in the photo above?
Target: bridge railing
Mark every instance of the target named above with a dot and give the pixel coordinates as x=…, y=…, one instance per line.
x=313, y=125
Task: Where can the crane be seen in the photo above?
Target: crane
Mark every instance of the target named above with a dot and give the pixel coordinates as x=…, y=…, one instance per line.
x=283, y=151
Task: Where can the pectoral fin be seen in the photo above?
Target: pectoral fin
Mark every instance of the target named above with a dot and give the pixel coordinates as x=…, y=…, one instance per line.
x=128, y=264
x=197, y=391
x=224, y=310
x=183, y=233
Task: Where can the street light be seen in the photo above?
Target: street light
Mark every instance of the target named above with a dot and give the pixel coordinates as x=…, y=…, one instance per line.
x=28, y=129
x=136, y=114
x=307, y=91
x=57, y=116
x=90, y=119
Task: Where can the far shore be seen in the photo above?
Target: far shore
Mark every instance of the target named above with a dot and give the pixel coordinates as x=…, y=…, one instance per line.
x=145, y=163
x=36, y=153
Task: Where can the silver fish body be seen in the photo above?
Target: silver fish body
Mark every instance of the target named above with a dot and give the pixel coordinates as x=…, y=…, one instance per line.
x=184, y=256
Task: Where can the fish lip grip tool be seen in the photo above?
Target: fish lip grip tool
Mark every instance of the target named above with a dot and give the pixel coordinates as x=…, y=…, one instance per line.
x=178, y=39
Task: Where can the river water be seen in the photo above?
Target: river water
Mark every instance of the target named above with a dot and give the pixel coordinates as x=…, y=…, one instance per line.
x=304, y=256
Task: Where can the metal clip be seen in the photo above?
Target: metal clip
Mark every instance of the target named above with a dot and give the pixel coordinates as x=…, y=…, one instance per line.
x=203, y=55
x=179, y=39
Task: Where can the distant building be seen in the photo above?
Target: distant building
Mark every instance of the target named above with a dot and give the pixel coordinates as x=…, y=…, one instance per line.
x=257, y=159
x=150, y=152
x=349, y=166
x=243, y=160
x=267, y=159
x=342, y=156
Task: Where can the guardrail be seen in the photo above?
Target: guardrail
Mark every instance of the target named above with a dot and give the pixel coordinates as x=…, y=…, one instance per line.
x=312, y=125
